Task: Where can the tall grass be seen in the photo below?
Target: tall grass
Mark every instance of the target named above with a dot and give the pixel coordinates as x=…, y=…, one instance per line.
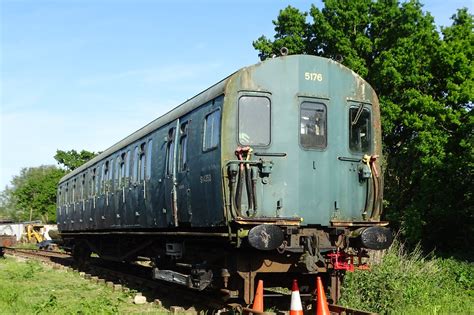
x=410, y=283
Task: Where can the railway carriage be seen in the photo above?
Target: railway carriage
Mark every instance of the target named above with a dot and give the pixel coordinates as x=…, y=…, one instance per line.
x=272, y=173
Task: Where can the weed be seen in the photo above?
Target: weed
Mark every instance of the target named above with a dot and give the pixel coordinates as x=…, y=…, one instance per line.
x=47, y=306
x=411, y=283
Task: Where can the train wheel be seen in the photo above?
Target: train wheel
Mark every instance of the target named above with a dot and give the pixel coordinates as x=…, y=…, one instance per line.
x=236, y=309
x=81, y=255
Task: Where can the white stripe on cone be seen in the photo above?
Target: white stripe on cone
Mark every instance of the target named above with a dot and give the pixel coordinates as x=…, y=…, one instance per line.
x=295, y=307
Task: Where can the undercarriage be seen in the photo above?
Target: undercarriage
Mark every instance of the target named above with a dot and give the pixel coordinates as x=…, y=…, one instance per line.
x=232, y=263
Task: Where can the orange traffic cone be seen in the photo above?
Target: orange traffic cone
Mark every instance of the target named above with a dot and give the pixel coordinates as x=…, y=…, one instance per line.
x=322, y=307
x=258, y=299
x=295, y=307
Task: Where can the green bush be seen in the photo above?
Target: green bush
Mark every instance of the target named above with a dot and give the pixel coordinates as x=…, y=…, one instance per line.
x=410, y=283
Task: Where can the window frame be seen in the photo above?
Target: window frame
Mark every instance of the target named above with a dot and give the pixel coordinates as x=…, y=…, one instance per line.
x=118, y=169
x=83, y=187
x=326, y=137
x=111, y=174
x=92, y=179
x=365, y=107
x=141, y=162
x=67, y=197
x=134, y=164
x=183, y=147
x=127, y=164
x=170, y=152
x=257, y=95
x=59, y=198
x=74, y=190
x=98, y=178
x=106, y=169
x=148, y=158
x=206, y=148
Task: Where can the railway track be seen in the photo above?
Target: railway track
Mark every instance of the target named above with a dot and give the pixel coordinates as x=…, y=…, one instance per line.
x=137, y=277
x=47, y=256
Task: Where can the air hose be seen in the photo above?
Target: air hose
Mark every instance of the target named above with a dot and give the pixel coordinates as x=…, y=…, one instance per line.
x=248, y=180
x=240, y=180
x=376, y=193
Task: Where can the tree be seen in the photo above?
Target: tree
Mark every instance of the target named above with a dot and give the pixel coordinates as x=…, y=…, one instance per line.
x=425, y=86
x=455, y=177
x=7, y=204
x=73, y=159
x=33, y=194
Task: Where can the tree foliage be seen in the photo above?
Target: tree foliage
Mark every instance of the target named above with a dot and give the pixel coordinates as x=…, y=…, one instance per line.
x=425, y=84
x=32, y=195
x=7, y=204
x=73, y=159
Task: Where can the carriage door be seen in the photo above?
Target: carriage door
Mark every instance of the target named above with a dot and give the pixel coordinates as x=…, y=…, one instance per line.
x=314, y=169
x=182, y=174
x=140, y=184
x=359, y=143
x=170, y=179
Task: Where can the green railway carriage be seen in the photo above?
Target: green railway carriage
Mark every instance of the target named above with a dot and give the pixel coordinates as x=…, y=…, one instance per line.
x=275, y=169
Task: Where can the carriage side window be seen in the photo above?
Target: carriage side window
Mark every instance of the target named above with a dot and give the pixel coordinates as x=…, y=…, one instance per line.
x=313, y=125
x=105, y=177
x=102, y=180
x=66, y=195
x=74, y=191
x=97, y=181
x=93, y=178
x=149, y=152
x=360, y=129
x=118, y=171
x=122, y=168
x=83, y=187
x=212, y=126
x=91, y=184
x=141, y=163
x=111, y=175
x=127, y=166
x=170, y=151
x=135, y=165
x=254, y=120
x=122, y=173
x=60, y=198
x=183, y=147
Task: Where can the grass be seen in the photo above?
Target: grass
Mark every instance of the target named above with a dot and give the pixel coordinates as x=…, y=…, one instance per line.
x=409, y=283
x=28, y=287
x=26, y=246
x=403, y=283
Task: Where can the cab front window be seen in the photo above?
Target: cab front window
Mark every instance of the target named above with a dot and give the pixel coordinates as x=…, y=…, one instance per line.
x=360, y=136
x=313, y=125
x=254, y=120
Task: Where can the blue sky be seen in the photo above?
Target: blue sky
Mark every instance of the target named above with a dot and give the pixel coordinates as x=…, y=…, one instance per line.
x=83, y=74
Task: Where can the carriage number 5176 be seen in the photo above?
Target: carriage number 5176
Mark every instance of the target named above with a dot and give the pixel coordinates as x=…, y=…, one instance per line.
x=313, y=76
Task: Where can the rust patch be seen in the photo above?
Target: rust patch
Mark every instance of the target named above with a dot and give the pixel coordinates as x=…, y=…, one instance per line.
x=358, y=223
x=7, y=240
x=277, y=221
